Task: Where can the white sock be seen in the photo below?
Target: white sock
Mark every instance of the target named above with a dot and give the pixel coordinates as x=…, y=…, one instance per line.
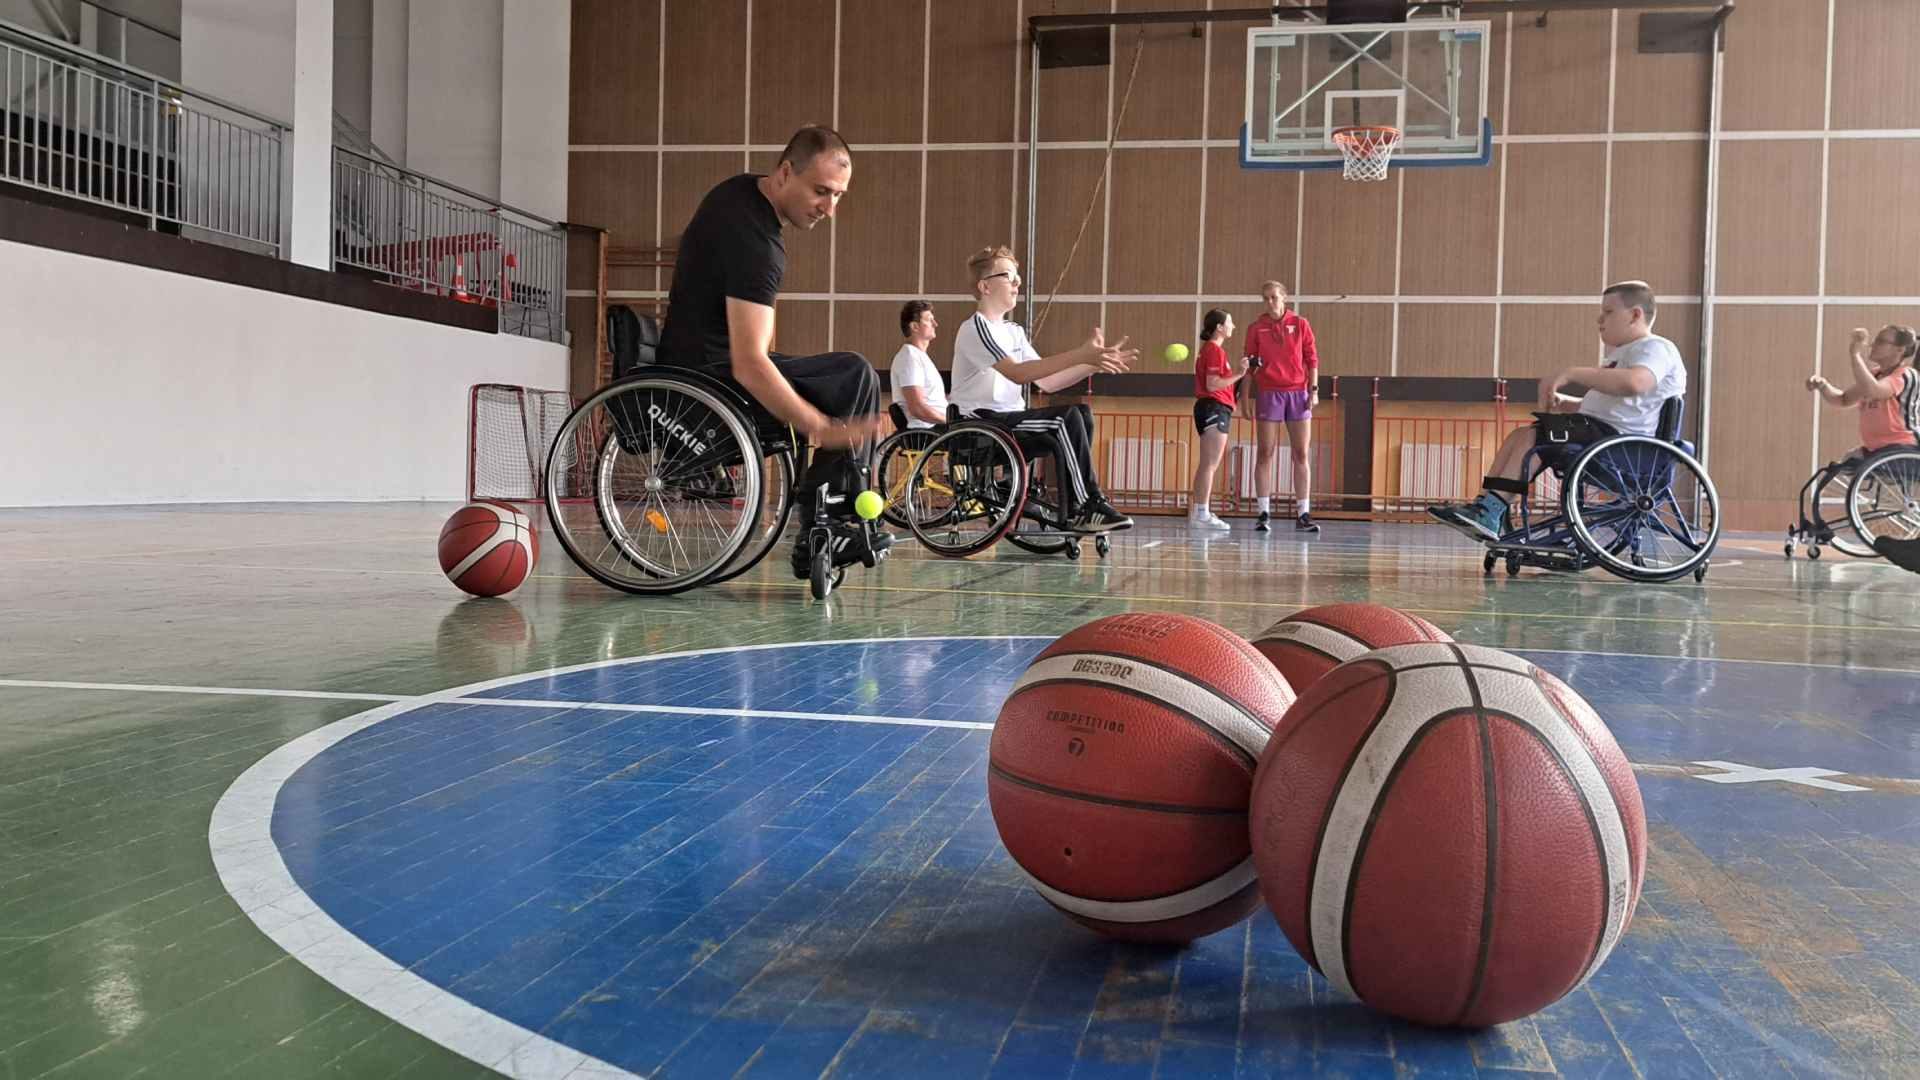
x=1262, y=504
x=1306, y=506
x=1199, y=510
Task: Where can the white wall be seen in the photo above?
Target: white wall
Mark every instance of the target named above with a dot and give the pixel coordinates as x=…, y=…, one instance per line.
x=353, y=61
x=196, y=391
x=388, y=98
x=536, y=45
x=240, y=50
x=453, y=91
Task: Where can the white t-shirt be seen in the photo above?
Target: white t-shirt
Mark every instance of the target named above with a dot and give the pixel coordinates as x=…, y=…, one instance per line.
x=913, y=367
x=980, y=343
x=1640, y=414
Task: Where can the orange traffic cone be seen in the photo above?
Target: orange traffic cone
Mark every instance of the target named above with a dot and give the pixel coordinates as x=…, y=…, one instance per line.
x=459, y=277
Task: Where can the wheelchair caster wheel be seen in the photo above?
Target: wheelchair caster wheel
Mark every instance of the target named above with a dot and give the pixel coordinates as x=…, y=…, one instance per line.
x=1103, y=546
x=1813, y=552
x=1072, y=551
x=824, y=576
x=1487, y=564
x=1700, y=573
x=1789, y=549
x=1513, y=565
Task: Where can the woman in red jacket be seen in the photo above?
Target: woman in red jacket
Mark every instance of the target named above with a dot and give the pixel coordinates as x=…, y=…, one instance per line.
x=1285, y=389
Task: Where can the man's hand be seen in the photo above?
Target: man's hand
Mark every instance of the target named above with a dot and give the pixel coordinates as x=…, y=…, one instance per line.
x=1550, y=390
x=847, y=434
x=1108, y=359
x=1817, y=382
x=1859, y=339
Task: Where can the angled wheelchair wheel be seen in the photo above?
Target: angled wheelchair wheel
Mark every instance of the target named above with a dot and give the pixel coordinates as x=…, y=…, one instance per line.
x=893, y=462
x=1831, y=499
x=1884, y=498
x=966, y=490
x=1642, y=508
x=1041, y=514
x=776, y=508
x=656, y=484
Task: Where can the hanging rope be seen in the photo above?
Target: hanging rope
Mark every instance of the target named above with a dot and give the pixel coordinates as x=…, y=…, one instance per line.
x=1099, y=182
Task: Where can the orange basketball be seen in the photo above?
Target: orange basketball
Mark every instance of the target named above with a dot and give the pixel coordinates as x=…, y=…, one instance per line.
x=1120, y=768
x=1307, y=644
x=1448, y=833
x=488, y=549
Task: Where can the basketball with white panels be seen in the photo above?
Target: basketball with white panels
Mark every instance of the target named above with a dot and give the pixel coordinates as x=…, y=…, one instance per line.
x=488, y=548
x=1311, y=642
x=1448, y=833
x=1120, y=769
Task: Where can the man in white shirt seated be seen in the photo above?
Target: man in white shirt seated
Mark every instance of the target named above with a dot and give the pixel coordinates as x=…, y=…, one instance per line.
x=993, y=360
x=1642, y=371
x=916, y=382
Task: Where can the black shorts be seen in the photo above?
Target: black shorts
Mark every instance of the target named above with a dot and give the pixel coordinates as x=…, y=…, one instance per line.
x=840, y=384
x=1211, y=415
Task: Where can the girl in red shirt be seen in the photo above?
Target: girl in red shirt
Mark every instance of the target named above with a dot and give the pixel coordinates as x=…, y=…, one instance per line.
x=1286, y=388
x=1213, y=383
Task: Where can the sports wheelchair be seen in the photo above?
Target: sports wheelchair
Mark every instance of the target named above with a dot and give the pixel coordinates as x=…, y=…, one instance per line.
x=1639, y=505
x=965, y=485
x=1881, y=493
x=668, y=478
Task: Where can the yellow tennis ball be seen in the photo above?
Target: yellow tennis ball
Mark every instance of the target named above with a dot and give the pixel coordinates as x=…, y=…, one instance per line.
x=868, y=504
x=1176, y=353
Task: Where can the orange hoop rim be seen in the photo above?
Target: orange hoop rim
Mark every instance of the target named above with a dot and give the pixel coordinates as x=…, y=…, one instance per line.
x=1365, y=132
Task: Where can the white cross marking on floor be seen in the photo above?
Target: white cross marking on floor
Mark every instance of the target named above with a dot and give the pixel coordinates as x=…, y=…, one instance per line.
x=1747, y=774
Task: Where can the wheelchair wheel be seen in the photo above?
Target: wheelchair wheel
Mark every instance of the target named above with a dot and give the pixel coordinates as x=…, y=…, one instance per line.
x=1835, y=491
x=1642, y=508
x=893, y=462
x=672, y=478
x=1884, y=498
x=1042, y=512
x=966, y=490
x=776, y=507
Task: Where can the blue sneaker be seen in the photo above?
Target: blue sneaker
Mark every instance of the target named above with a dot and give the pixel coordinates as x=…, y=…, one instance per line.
x=1485, y=518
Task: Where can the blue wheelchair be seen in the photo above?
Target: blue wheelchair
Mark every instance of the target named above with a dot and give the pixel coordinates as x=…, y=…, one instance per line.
x=1640, y=506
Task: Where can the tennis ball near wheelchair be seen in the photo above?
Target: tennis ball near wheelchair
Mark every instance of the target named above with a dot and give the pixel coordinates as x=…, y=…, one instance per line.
x=1176, y=353
x=868, y=505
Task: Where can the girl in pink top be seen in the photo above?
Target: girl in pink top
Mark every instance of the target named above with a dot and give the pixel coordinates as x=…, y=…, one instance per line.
x=1885, y=388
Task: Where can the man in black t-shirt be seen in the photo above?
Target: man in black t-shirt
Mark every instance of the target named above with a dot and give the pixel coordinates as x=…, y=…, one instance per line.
x=720, y=319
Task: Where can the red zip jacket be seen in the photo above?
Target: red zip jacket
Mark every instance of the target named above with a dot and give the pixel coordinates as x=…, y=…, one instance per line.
x=1285, y=347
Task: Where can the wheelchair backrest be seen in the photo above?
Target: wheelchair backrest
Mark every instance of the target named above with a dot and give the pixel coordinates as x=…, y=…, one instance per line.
x=632, y=338
x=899, y=416
x=1667, y=428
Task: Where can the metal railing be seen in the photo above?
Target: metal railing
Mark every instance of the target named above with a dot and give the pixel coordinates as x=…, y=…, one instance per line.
x=426, y=234
x=79, y=125
x=1146, y=461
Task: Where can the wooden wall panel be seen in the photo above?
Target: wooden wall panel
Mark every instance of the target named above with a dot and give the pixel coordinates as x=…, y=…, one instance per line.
x=1768, y=82
x=1875, y=84
x=1073, y=100
x=800, y=327
x=1554, y=208
x=612, y=98
x=1839, y=428
x=1066, y=325
x=1758, y=466
x=1769, y=218
x=1226, y=76
x=1537, y=340
x=705, y=37
x=791, y=69
x=882, y=70
x=969, y=206
x=685, y=179
x=977, y=71
x=1252, y=216
x=1353, y=339
x=872, y=329
x=615, y=191
x=1560, y=74
x=1449, y=231
x=1659, y=215
x=1155, y=221
x=1446, y=339
x=1347, y=236
x=1152, y=327
x=1066, y=187
x=809, y=251
x=1873, y=236
x=1658, y=91
x=877, y=249
x=1167, y=93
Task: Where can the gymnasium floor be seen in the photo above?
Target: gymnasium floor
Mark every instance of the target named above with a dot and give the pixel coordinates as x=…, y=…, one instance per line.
x=748, y=833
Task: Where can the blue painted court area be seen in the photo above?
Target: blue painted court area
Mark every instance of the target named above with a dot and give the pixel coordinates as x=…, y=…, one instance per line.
x=709, y=886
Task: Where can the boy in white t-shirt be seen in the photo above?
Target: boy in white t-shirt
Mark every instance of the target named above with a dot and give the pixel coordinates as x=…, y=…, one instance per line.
x=993, y=360
x=1624, y=395
x=916, y=382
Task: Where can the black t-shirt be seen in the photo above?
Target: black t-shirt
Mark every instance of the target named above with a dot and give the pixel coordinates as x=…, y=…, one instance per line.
x=732, y=247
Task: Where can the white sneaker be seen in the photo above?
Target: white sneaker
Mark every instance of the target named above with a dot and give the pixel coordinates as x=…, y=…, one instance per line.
x=1214, y=520
x=1198, y=521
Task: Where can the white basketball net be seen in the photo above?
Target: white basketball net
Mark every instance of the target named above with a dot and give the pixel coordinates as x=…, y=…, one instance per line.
x=1367, y=150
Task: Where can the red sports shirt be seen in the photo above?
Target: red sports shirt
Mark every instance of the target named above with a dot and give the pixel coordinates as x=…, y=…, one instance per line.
x=1285, y=346
x=1213, y=361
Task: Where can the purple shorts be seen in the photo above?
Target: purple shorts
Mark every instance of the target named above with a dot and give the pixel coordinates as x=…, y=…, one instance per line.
x=1284, y=405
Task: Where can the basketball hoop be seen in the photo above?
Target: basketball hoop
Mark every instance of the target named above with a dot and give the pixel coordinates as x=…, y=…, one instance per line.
x=1367, y=150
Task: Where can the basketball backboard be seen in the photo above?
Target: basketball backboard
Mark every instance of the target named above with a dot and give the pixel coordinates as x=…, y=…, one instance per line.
x=1427, y=77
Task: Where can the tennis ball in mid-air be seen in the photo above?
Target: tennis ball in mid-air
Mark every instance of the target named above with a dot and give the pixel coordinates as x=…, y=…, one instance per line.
x=868, y=504
x=1176, y=353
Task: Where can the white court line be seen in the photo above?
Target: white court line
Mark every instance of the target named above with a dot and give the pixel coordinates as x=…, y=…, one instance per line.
x=248, y=861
